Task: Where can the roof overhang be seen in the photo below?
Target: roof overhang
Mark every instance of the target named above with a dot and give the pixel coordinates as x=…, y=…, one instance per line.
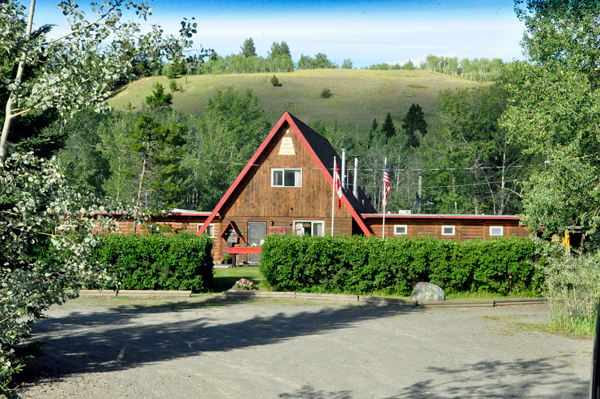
x=375, y=216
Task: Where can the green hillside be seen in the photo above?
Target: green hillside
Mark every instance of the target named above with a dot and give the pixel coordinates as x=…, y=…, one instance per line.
x=358, y=95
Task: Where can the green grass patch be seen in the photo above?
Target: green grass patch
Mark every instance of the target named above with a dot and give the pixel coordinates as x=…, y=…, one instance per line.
x=576, y=329
x=484, y=295
x=359, y=95
x=225, y=278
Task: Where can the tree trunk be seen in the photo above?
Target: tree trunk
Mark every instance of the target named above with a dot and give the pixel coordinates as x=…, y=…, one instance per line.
x=9, y=115
x=139, y=196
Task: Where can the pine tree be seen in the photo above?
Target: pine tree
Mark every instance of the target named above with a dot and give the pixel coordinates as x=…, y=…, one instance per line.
x=388, y=129
x=413, y=122
x=274, y=80
x=248, y=49
x=285, y=49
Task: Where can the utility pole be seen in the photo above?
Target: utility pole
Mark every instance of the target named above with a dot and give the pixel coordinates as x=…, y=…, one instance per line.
x=420, y=197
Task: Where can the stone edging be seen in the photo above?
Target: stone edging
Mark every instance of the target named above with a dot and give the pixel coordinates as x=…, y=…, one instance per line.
x=376, y=300
x=134, y=293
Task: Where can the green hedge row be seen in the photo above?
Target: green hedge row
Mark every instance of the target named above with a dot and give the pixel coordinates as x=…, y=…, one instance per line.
x=159, y=262
x=368, y=264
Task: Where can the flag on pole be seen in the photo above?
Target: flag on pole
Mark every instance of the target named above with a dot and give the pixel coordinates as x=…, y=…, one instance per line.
x=337, y=184
x=386, y=185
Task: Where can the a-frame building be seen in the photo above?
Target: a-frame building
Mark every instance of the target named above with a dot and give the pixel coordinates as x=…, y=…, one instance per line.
x=286, y=188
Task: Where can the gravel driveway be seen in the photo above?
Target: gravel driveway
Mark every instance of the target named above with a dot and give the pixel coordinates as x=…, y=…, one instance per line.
x=207, y=348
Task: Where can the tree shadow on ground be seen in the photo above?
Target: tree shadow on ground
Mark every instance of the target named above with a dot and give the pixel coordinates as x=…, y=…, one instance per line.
x=544, y=377
x=124, y=337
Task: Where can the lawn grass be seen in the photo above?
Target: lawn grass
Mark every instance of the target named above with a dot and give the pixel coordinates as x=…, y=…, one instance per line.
x=358, y=95
x=225, y=278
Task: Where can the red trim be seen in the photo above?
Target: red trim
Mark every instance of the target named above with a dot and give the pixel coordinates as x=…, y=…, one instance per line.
x=194, y=214
x=451, y=217
x=235, y=228
x=285, y=118
x=243, y=250
x=317, y=160
x=238, y=180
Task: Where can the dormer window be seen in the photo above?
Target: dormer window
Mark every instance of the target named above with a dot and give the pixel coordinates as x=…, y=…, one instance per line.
x=286, y=177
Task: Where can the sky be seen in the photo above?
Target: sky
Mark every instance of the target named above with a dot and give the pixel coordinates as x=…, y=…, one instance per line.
x=372, y=32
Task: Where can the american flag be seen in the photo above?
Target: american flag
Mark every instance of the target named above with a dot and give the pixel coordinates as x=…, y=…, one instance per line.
x=386, y=185
x=337, y=184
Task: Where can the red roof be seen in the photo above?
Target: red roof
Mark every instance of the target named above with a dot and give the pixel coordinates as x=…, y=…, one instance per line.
x=292, y=122
x=440, y=216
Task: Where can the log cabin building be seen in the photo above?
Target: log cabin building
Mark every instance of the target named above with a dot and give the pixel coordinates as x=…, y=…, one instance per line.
x=286, y=188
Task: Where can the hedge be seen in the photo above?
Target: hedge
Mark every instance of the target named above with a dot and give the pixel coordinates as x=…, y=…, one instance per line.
x=393, y=266
x=159, y=262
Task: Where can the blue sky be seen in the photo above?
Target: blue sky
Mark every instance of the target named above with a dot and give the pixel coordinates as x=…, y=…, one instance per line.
x=366, y=32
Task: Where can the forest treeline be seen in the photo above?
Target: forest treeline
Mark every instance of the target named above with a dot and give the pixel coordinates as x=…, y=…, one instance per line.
x=279, y=59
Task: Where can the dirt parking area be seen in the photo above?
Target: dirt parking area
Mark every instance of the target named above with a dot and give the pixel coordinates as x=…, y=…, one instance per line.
x=210, y=348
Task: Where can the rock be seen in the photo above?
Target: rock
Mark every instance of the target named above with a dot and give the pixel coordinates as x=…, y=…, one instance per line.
x=428, y=292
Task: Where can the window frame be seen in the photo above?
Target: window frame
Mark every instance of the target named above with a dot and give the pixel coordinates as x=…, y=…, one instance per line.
x=453, y=227
x=283, y=170
x=312, y=223
x=497, y=227
x=401, y=225
x=212, y=229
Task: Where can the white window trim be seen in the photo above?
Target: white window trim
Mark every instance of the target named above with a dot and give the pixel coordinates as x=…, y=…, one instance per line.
x=401, y=225
x=212, y=225
x=308, y=221
x=283, y=170
x=449, y=234
x=497, y=227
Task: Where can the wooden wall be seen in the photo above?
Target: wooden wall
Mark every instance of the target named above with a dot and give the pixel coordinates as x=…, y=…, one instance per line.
x=254, y=200
x=174, y=223
x=465, y=229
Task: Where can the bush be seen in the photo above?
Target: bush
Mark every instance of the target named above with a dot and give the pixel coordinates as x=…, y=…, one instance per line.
x=393, y=266
x=159, y=262
x=274, y=80
x=173, y=85
x=573, y=289
x=326, y=93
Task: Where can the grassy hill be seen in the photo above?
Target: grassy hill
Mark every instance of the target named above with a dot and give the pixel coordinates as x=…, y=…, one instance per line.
x=358, y=95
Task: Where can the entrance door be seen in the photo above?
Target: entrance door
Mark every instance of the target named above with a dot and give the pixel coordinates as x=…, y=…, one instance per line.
x=256, y=235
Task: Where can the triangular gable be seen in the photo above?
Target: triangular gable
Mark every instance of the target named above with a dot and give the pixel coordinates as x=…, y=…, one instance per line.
x=232, y=225
x=287, y=117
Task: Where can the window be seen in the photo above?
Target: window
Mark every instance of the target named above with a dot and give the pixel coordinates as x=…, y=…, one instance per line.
x=496, y=230
x=448, y=230
x=210, y=230
x=400, y=229
x=286, y=177
x=309, y=227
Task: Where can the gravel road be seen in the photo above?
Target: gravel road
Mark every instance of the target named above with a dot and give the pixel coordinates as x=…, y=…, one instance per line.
x=207, y=348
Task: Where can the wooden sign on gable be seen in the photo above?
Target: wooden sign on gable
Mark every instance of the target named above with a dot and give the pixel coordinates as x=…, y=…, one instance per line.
x=287, y=147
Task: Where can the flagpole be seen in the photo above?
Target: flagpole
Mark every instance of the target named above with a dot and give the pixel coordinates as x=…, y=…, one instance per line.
x=384, y=203
x=332, y=194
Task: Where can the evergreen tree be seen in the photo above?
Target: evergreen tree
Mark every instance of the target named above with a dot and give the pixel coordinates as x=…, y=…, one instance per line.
x=159, y=99
x=388, y=129
x=285, y=49
x=248, y=49
x=413, y=122
x=274, y=80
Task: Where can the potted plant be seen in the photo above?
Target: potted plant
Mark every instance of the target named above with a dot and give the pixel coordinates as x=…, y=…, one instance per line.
x=227, y=259
x=217, y=259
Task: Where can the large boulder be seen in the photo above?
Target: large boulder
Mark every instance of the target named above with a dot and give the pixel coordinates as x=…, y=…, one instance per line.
x=428, y=292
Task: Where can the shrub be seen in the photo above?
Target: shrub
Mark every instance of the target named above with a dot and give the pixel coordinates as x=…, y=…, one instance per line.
x=274, y=80
x=365, y=265
x=325, y=93
x=572, y=284
x=159, y=262
x=173, y=85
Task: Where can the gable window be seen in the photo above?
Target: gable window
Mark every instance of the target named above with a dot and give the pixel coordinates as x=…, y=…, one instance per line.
x=210, y=230
x=400, y=229
x=496, y=231
x=309, y=227
x=286, y=177
x=448, y=230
